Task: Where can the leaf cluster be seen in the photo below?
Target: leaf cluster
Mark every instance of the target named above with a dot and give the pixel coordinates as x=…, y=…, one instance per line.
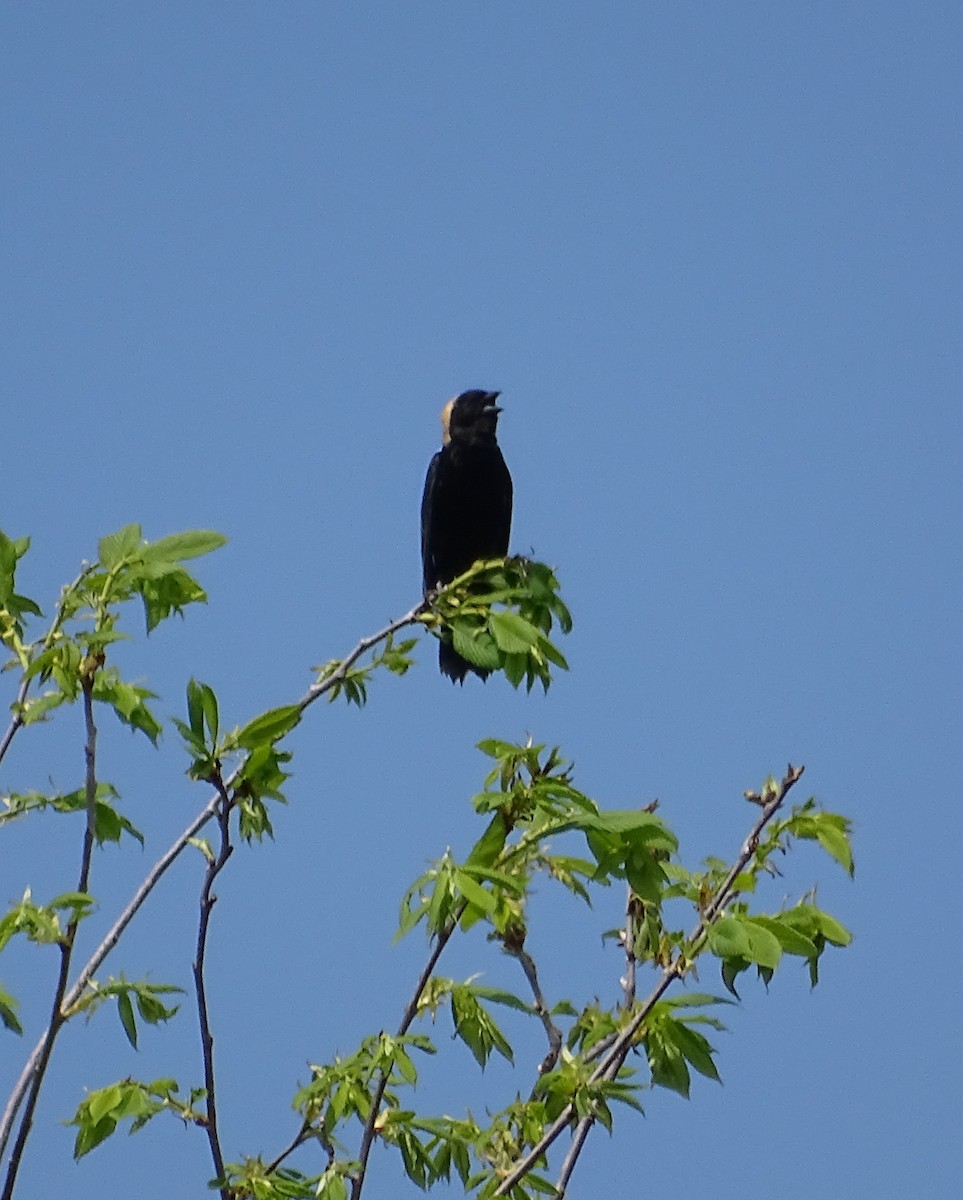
x=71, y=655
x=102, y=1111
x=134, y=998
x=499, y=614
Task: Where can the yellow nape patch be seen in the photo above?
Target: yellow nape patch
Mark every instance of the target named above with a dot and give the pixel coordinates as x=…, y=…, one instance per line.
x=446, y=421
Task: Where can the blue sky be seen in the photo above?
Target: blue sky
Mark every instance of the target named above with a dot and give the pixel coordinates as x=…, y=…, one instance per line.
x=711, y=256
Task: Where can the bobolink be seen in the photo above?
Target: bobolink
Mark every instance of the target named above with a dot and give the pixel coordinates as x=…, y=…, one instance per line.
x=466, y=510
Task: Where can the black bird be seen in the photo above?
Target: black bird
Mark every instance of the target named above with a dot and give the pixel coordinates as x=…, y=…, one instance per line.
x=466, y=511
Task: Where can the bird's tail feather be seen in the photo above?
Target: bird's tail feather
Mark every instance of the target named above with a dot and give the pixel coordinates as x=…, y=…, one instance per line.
x=455, y=666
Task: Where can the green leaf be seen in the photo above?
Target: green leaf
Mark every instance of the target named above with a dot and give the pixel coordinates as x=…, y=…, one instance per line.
x=499, y=996
x=666, y=1062
x=104, y=1101
x=8, y=1015
x=728, y=938
x=152, y=1010
x=790, y=939
x=332, y=1186
x=645, y=876
x=512, y=633
x=833, y=930
x=204, y=846
x=475, y=1026
x=209, y=702
x=831, y=830
x=836, y=844
x=128, y=702
x=475, y=645
x=13, y=606
x=268, y=727
x=474, y=893
x=695, y=1000
x=110, y=825
x=36, y=708
x=166, y=593
x=91, y=1134
x=11, y=552
x=631, y=821
x=195, y=709
x=115, y=547
x=125, y=1010
x=201, y=709
x=695, y=1049
x=488, y=847
x=764, y=947
x=177, y=547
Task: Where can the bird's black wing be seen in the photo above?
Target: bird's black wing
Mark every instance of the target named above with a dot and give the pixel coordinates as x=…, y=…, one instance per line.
x=502, y=506
x=429, y=566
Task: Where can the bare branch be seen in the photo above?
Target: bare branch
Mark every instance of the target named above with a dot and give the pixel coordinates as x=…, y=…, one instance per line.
x=517, y=950
x=579, y=1138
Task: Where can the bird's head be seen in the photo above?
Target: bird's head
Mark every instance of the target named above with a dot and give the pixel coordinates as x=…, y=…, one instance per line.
x=470, y=419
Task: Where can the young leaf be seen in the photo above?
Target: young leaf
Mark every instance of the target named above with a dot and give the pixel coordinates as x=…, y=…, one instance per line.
x=512, y=633
x=8, y=1015
x=115, y=547
x=728, y=938
x=268, y=727
x=177, y=547
x=125, y=1010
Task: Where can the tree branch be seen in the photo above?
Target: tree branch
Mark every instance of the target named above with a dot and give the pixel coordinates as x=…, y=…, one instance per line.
x=40, y=1059
x=318, y=689
x=552, y=1031
x=16, y=721
x=579, y=1138
x=214, y=867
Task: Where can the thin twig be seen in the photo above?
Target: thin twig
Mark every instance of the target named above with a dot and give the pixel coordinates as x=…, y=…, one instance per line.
x=214, y=867
x=41, y=1060
x=632, y=911
x=610, y=1065
x=303, y=1134
x=368, y=1136
x=16, y=721
x=542, y=1011
x=41, y=1050
x=329, y=681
